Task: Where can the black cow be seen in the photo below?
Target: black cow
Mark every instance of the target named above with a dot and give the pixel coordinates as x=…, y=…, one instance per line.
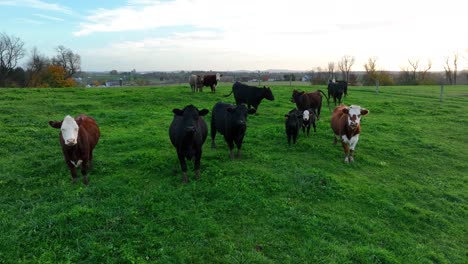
x=211, y=81
x=293, y=125
x=337, y=89
x=229, y=120
x=308, y=119
x=188, y=132
x=250, y=95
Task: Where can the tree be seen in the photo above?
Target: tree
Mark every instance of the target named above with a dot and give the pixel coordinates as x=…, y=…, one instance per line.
x=345, y=65
x=371, y=71
x=70, y=61
x=56, y=77
x=11, y=51
x=114, y=72
x=36, y=68
x=451, y=73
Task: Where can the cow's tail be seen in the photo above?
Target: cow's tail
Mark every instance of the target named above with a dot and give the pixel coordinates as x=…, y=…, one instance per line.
x=328, y=99
x=228, y=94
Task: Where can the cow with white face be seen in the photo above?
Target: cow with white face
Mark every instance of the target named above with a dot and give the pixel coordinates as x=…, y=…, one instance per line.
x=346, y=125
x=78, y=137
x=308, y=118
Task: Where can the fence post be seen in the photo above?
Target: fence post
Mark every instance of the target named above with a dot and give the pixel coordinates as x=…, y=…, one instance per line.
x=377, y=87
x=441, y=92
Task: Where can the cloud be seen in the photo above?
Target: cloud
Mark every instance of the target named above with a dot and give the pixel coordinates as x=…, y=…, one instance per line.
x=49, y=17
x=37, y=4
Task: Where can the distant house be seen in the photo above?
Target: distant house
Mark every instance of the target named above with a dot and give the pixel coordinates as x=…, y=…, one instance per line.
x=306, y=78
x=112, y=83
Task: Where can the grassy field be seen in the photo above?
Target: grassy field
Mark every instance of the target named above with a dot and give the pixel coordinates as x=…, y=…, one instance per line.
x=404, y=199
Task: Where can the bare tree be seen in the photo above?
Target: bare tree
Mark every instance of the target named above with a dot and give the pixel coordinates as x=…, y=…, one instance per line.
x=414, y=67
x=11, y=51
x=448, y=71
x=35, y=66
x=331, y=70
x=70, y=61
x=423, y=72
x=345, y=65
x=455, y=67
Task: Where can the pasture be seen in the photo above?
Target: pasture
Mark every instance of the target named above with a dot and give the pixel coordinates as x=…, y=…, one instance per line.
x=403, y=200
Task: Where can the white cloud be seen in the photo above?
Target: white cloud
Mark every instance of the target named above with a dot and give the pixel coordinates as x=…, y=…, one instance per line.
x=37, y=4
x=49, y=17
x=299, y=33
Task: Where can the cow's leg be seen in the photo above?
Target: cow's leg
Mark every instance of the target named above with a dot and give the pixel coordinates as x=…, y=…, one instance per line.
x=289, y=139
x=84, y=171
x=239, y=145
x=353, y=142
x=346, y=151
x=315, y=127
x=183, y=166
x=294, y=136
x=303, y=129
x=231, y=147
x=197, y=164
x=213, y=135
x=308, y=129
x=72, y=171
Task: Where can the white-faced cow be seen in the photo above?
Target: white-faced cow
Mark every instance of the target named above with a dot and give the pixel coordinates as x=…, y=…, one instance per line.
x=312, y=100
x=346, y=124
x=250, y=95
x=211, y=80
x=308, y=119
x=188, y=132
x=78, y=137
x=196, y=83
x=231, y=121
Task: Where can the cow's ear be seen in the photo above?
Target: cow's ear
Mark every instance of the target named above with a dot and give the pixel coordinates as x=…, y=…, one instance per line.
x=177, y=111
x=55, y=124
x=286, y=116
x=345, y=110
x=364, y=111
x=203, y=112
x=251, y=111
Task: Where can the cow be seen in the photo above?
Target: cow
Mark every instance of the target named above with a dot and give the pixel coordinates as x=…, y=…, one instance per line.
x=308, y=119
x=293, y=125
x=337, y=89
x=188, y=132
x=345, y=123
x=196, y=83
x=78, y=137
x=305, y=101
x=211, y=80
x=230, y=120
x=250, y=95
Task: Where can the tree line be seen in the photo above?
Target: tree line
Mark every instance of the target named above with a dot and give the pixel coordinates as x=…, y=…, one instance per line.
x=39, y=71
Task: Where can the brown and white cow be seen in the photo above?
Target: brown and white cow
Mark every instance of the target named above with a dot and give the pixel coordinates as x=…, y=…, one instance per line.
x=346, y=124
x=78, y=137
x=211, y=81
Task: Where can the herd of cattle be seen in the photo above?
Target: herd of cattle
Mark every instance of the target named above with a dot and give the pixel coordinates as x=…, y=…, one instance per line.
x=188, y=130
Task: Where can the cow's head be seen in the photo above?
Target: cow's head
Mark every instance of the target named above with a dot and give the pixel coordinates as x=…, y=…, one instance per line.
x=218, y=76
x=295, y=95
x=267, y=94
x=293, y=116
x=308, y=115
x=190, y=115
x=68, y=129
x=354, y=113
x=238, y=114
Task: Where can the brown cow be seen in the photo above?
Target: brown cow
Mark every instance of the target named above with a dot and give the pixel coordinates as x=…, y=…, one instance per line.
x=345, y=123
x=211, y=80
x=78, y=137
x=306, y=101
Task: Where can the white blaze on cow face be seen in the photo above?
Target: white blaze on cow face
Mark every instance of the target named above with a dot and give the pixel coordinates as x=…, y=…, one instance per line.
x=305, y=115
x=354, y=115
x=69, y=131
x=218, y=76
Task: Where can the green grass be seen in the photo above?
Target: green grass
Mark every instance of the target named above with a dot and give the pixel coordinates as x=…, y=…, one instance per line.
x=404, y=199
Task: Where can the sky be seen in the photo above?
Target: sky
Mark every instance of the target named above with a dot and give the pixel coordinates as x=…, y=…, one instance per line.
x=219, y=35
